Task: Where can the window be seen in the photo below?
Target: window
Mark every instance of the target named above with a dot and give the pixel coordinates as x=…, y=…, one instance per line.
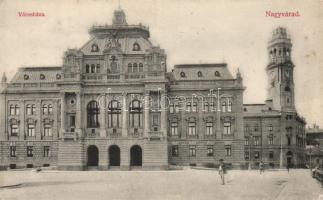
x=12, y=151
x=94, y=48
x=14, y=129
x=209, y=128
x=14, y=109
x=199, y=74
x=175, y=150
x=28, y=109
x=113, y=64
x=171, y=108
x=270, y=127
x=228, y=150
x=289, y=141
x=47, y=130
x=229, y=106
x=270, y=139
x=194, y=107
x=42, y=77
x=50, y=109
x=182, y=74
x=26, y=77
x=72, y=121
x=33, y=109
x=87, y=68
x=217, y=74
x=227, y=128
x=246, y=155
x=256, y=128
x=191, y=128
x=256, y=155
x=134, y=67
x=135, y=114
x=212, y=107
x=45, y=109
x=129, y=67
x=30, y=151
x=31, y=130
x=174, y=129
x=98, y=68
x=189, y=106
x=141, y=67
x=256, y=140
x=192, y=150
x=210, y=151
x=93, y=114
x=114, y=113
x=271, y=154
x=247, y=128
x=46, y=151
x=135, y=47
x=176, y=108
x=246, y=140
x=206, y=107
x=224, y=104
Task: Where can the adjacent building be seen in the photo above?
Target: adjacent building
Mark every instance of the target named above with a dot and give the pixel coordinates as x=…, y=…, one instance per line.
x=112, y=104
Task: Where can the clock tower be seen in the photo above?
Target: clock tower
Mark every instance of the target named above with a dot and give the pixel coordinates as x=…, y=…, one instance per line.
x=280, y=72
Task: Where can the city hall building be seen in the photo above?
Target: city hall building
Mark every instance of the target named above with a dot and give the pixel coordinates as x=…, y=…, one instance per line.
x=112, y=104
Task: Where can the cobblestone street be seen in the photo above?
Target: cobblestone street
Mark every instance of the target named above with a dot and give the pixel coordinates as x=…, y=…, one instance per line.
x=186, y=184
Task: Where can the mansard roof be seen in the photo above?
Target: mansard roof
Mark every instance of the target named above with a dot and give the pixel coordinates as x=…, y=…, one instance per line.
x=43, y=74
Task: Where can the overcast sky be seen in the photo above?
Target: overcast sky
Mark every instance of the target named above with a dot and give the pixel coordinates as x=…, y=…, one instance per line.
x=190, y=31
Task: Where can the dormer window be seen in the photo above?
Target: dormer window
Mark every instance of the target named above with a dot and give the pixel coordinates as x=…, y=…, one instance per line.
x=182, y=74
x=42, y=77
x=94, y=48
x=136, y=47
x=217, y=74
x=26, y=77
x=58, y=76
x=199, y=74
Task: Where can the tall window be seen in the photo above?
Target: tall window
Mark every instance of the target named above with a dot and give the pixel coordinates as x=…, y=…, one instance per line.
x=229, y=106
x=209, y=128
x=14, y=109
x=45, y=109
x=210, y=150
x=30, y=130
x=228, y=150
x=257, y=155
x=174, y=129
x=30, y=151
x=114, y=112
x=130, y=67
x=246, y=140
x=212, y=107
x=134, y=67
x=206, y=107
x=224, y=105
x=192, y=150
x=270, y=127
x=48, y=130
x=12, y=151
x=256, y=140
x=171, y=108
x=246, y=155
x=50, y=109
x=175, y=150
x=93, y=115
x=141, y=67
x=46, y=151
x=189, y=106
x=271, y=139
x=271, y=154
x=135, y=114
x=28, y=109
x=191, y=128
x=194, y=107
x=14, y=129
x=227, y=128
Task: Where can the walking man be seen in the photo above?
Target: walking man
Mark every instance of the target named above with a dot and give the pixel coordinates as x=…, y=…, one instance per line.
x=221, y=171
x=261, y=167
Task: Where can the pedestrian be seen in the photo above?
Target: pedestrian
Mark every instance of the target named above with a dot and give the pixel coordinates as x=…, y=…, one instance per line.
x=221, y=171
x=261, y=167
x=287, y=166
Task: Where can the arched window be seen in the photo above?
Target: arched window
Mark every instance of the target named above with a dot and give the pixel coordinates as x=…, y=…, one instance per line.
x=229, y=106
x=136, y=47
x=12, y=110
x=50, y=109
x=45, y=109
x=130, y=67
x=16, y=109
x=141, y=67
x=224, y=104
x=287, y=52
x=206, y=106
x=92, y=68
x=199, y=74
x=94, y=48
x=217, y=74
x=182, y=74
x=114, y=111
x=93, y=115
x=135, y=67
x=135, y=116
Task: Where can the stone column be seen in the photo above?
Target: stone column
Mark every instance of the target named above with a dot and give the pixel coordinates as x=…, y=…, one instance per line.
x=63, y=115
x=124, y=115
x=146, y=115
x=102, y=107
x=78, y=121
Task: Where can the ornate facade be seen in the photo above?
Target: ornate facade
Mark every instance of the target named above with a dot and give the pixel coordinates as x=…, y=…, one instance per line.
x=112, y=104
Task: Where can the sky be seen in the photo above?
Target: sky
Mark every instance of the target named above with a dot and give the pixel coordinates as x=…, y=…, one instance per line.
x=190, y=31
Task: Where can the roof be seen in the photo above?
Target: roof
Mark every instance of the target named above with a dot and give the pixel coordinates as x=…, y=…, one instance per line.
x=43, y=74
